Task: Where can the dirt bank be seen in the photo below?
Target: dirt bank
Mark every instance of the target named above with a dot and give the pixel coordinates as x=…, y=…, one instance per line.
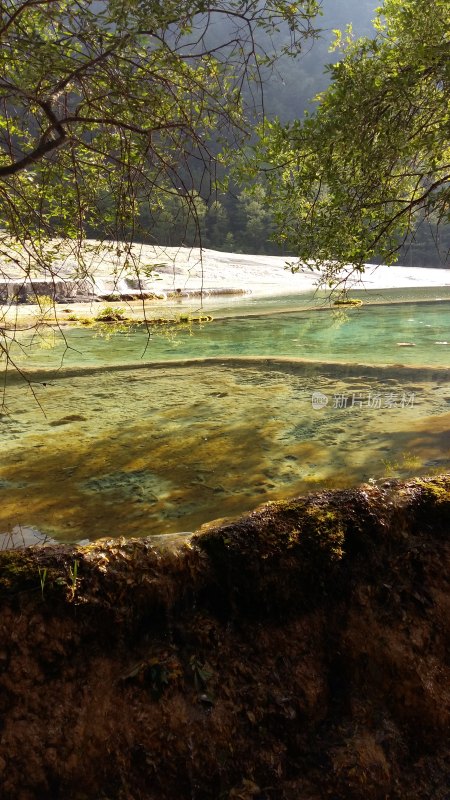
x=299, y=653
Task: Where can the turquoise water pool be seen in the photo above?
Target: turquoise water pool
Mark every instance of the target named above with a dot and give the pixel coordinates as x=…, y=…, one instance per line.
x=126, y=433
x=411, y=334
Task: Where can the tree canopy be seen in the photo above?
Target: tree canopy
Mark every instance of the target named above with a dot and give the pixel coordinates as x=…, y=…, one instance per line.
x=350, y=182
x=107, y=105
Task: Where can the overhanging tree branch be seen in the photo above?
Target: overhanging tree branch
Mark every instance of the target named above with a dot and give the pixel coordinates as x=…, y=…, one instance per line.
x=45, y=146
x=20, y=10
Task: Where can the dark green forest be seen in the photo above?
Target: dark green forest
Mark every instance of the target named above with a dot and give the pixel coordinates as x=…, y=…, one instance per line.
x=237, y=219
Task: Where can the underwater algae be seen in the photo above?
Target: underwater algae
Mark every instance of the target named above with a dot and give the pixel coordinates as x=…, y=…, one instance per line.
x=135, y=452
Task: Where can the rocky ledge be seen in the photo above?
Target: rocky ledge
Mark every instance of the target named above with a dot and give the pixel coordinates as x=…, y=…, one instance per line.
x=65, y=290
x=301, y=652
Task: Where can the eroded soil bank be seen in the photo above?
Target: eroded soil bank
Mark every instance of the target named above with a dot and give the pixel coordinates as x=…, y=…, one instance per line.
x=300, y=653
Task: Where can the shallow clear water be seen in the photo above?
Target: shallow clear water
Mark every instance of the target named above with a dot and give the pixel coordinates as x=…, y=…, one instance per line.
x=123, y=446
x=412, y=334
x=224, y=305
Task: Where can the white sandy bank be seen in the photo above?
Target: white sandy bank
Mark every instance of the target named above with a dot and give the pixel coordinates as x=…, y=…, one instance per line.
x=110, y=269
x=189, y=269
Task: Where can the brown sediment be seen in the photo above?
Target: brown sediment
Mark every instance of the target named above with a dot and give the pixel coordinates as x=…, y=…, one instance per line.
x=159, y=450
x=299, y=653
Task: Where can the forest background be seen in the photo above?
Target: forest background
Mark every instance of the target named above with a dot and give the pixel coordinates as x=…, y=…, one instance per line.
x=237, y=219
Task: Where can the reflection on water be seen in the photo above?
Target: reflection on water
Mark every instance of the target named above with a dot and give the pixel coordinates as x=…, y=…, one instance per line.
x=119, y=446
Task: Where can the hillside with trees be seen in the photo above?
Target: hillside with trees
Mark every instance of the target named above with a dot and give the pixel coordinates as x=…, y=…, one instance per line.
x=366, y=177
x=186, y=197
x=241, y=220
x=236, y=220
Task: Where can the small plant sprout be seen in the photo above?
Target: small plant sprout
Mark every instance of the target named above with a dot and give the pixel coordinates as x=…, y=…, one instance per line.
x=73, y=576
x=42, y=579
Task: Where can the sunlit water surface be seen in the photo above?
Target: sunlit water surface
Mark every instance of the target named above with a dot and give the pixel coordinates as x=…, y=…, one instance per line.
x=131, y=435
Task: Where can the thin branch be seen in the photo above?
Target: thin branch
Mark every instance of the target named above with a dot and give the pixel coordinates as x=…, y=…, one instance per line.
x=85, y=66
x=24, y=7
x=44, y=146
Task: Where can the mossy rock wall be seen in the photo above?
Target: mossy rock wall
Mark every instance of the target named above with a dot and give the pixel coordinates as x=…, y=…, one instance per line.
x=296, y=654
